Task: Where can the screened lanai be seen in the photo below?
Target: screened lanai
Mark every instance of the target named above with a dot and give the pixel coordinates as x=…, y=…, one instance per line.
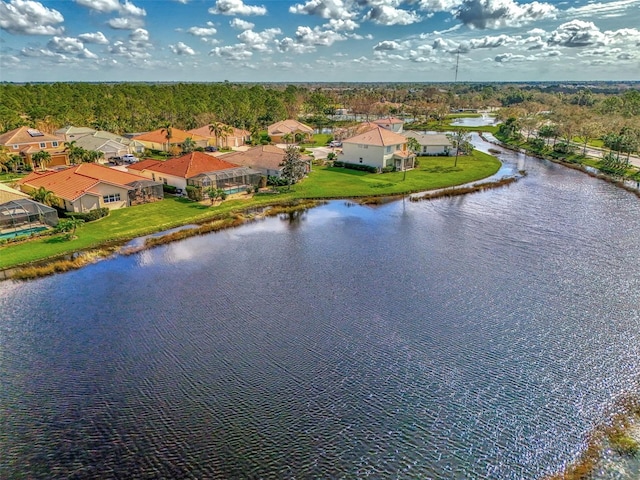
x=231, y=180
x=25, y=214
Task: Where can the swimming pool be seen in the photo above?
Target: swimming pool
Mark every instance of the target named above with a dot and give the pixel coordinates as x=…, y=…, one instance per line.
x=20, y=233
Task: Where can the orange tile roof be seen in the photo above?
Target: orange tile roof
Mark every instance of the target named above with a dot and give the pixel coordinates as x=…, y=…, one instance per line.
x=72, y=183
x=158, y=136
x=379, y=137
x=143, y=164
x=262, y=156
x=190, y=165
x=21, y=135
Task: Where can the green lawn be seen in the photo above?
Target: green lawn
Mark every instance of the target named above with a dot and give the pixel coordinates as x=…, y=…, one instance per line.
x=323, y=182
x=319, y=140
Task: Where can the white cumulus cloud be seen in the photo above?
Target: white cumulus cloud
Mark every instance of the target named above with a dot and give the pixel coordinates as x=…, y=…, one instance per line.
x=236, y=7
x=240, y=24
x=97, y=37
x=502, y=13
x=29, y=18
x=182, y=49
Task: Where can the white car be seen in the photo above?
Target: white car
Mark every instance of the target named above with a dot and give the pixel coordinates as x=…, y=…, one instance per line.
x=129, y=158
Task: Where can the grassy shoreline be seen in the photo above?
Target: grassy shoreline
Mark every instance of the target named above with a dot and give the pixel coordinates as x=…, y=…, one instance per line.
x=323, y=183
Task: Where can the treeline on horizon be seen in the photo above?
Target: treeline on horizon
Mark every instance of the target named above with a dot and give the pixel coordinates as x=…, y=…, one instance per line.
x=138, y=107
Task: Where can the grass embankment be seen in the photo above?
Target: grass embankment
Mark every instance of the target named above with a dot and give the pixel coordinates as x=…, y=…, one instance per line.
x=447, y=127
x=617, y=436
x=323, y=182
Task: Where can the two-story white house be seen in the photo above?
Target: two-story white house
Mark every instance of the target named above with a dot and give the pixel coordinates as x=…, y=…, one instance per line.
x=378, y=148
x=431, y=143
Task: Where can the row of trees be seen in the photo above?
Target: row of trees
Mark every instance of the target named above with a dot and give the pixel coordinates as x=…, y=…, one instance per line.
x=133, y=107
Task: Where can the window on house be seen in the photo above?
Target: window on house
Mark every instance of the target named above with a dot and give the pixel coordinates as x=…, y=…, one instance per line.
x=114, y=197
x=43, y=145
x=15, y=147
x=164, y=180
x=360, y=159
x=366, y=146
x=54, y=144
x=388, y=149
x=153, y=177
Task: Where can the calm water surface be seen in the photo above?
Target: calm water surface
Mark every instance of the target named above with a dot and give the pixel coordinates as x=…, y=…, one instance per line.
x=474, y=337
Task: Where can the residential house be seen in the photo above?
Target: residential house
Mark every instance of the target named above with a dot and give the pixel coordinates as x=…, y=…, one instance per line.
x=109, y=148
x=8, y=194
x=393, y=124
x=25, y=141
x=133, y=145
x=431, y=143
x=278, y=130
x=70, y=133
x=157, y=139
x=236, y=138
x=89, y=186
x=176, y=171
x=267, y=159
x=378, y=148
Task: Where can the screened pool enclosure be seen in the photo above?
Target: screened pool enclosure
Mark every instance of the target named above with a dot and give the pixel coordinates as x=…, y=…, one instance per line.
x=24, y=215
x=230, y=180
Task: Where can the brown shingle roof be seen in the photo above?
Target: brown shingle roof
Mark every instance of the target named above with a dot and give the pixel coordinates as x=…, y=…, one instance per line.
x=190, y=165
x=379, y=137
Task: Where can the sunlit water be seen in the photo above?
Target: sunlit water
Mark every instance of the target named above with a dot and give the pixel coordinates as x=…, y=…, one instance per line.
x=473, y=337
x=474, y=121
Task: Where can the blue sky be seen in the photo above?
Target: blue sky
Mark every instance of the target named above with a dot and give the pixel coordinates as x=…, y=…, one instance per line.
x=318, y=40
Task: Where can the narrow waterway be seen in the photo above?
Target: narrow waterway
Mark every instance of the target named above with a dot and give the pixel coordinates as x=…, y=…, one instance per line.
x=473, y=337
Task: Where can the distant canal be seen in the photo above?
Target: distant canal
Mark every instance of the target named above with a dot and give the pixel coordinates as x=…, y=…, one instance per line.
x=472, y=337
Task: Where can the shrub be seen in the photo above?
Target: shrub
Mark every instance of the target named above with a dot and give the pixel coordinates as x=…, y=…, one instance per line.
x=355, y=166
x=274, y=181
x=194, y=193
x=89, y=216
x=169, y=189
x=388, y=169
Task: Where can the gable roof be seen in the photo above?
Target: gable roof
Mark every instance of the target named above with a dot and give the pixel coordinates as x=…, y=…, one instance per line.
x=145, y=164
x=378, y=136
x=388, y=121
x=71, y=130
x=90, y=142
x=262, y=156
x=27, y=135
x=288, y=126
x=72, y=183
x=205, y=132
x=7, y=193
x=186, y=166
x=177, y=136
x=429, y=139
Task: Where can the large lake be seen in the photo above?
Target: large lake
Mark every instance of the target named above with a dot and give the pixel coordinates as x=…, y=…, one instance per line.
x=473, y=337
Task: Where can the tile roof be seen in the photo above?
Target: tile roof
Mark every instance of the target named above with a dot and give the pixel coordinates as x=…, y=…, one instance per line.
x=388, y=121
x=23, y=135
x=205, y=132
x=145, y=164
x=378, y=137
x=186, y=166
x=288, y=126
x=262, y=156
x=72, y=183
x=177, y=136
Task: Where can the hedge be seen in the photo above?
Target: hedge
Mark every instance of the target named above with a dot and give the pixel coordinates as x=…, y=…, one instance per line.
x=356, y=166
x=90, y=216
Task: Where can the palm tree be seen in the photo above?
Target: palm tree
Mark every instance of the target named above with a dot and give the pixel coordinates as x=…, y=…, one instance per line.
x=216, y=129
x=167, y=131
x=226, y=131
x=45, y=196
x=75, y=152
x=42, y=158
x=189, y=145
x=288, y=138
